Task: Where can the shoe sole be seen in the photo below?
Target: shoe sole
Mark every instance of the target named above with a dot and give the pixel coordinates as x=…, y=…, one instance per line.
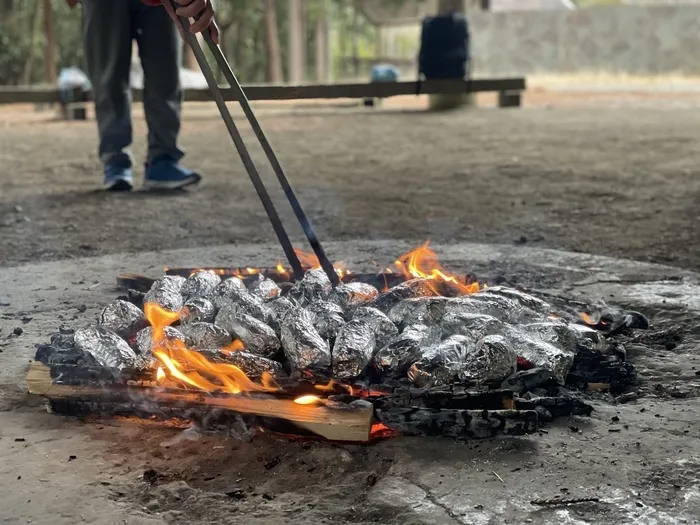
x=172, y=184
x=118, y=185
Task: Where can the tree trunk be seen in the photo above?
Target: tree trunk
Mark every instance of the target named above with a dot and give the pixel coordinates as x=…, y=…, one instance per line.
x=272, y=40
x=50, y=55
x=322, y=46
x=296, y=42
x=35, y=30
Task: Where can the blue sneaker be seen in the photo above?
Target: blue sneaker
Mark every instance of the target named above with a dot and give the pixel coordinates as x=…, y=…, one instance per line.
x=118, y=177
x=163, y=173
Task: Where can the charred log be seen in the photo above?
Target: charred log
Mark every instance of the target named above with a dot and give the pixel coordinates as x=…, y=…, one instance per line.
x=556, y=406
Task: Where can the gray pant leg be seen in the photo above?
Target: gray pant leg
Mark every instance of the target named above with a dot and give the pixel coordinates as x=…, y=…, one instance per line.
x=160, y=51
x=107, y=38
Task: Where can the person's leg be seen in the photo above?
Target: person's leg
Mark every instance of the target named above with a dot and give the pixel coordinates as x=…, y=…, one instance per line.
x=160, y=51
x=107, y=39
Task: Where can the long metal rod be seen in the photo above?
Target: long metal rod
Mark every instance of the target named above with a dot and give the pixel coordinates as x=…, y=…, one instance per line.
x=272, y=158
x=242, y=150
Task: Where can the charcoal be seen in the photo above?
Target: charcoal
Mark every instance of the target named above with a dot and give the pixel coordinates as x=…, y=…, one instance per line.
x=353, y=295
x=523, y=299
x=198, y=310
x=406, y=290
x=314, y=286
x=353, y=349
x=384, y=329
x=108, y=349
x=264, y=289
x=419, y=310
x=277, y=310
x=200, y=284
x=500, y=307
x=490, y=361
x=303, y=346
x=614, y=320
x=165, y=293
x=144, y=340
x=328, y=318
x=541, y=353
x=441, y=364
x=527, y=380
x=205, y=335
x=395, y=359
x=456, y=322
x=566, y=336
x=253, y=365
x=62, y=351
x=122, y=318
x=228, y=290
x=257, y=337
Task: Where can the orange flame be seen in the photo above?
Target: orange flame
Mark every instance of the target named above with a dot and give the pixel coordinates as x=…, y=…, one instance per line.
x=309, y=260
x=590, y=320
x=190, y=368
x=308, y=400
x=423, y=263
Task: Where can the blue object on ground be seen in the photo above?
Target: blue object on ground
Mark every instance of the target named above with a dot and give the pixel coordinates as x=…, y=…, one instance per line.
x=70, y=80
x=164, y=173
x=384, y=73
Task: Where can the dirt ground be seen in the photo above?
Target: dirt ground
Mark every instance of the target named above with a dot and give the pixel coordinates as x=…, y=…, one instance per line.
x=594, y=173
x=603, y=173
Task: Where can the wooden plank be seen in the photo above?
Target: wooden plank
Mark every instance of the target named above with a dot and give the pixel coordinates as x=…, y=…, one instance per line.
x=333, y=421
x=49, y=94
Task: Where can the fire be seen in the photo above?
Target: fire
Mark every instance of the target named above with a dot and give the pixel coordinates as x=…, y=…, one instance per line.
x=590, y=320
x=236, y=346
x=308, y=400
x=189, y=368
x=423, y=263
x=309, y=260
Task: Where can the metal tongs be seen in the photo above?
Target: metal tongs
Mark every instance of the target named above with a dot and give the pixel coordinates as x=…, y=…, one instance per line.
x=245, y=155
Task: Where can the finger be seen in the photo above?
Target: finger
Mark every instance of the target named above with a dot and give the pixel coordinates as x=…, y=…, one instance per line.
x=204, y=21
x=193, y=8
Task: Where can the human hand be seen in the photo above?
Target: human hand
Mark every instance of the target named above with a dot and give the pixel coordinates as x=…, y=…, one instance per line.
x=201, y=10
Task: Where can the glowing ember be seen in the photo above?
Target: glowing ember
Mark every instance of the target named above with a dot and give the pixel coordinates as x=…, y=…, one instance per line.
x=236, y=346
x=308, y=400
x=590, y=320
x=423, y=263
x=160, y=375
x=380, y=431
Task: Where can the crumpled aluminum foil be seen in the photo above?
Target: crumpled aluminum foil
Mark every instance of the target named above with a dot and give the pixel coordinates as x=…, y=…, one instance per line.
x=566, y=336
x=490, y=361
x=405, y=349
x=198, y=310
x=303, y=346
x=442, y=364
x=353, y=349
x=144, y=340
x=384, y=329
x=264, y=289
x=200, y=284
x=205, y=335
x=457, y=322
x=541, y=353
x=253, y=365
x=122, y=318
x=418, y=310
x=229, y=289
x=165, y=293
x=328, y=318
x=314, y=286
x=353, y=295
x=257, y=337
x=406, y=290
x=108, y=349
x=523, y=299
x=498, y=306
x=277, y=310
x=244, y=303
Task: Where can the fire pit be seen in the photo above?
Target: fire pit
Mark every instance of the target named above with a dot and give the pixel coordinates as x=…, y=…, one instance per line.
x=412, y=349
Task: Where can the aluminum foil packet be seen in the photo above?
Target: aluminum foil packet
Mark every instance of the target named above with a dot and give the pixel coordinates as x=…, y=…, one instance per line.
x=244, y=303
x=523, y=299
x=384, y=329
x=144, y=340
x=257, y=337
x=277, y=310
x=328, y=318
x=264, y=289
x=122, y=318
x=406, y=290
x=205, y=335
x=396, y=358
x=228, y=290
x=108, y=349
x=200, y=284
x=303, y=346
x=166, y=293
x=566, y=336
x=442, y=364
x=419, y=310
x=314, y=286
x=498, y=306
x=540, y=353
x=457, y=322
x=253, y=365
x=490, y=361
x=198, y=310
x=353, y=295
x=353, y=349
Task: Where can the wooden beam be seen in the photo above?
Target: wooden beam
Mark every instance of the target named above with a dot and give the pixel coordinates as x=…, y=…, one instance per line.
x=333, y=421
x=46, y=94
